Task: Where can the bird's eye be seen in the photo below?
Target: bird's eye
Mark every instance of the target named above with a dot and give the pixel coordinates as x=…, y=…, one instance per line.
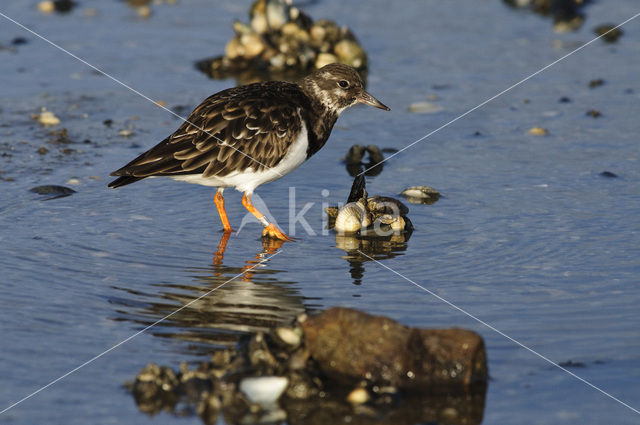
x=344, y=84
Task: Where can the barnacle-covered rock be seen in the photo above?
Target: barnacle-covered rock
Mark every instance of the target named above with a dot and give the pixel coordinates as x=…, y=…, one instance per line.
x=282, y=42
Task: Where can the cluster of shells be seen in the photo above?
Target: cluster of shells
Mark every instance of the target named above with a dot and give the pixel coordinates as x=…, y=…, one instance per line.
x=258, y=381
x=280, y=39
x=566, y=13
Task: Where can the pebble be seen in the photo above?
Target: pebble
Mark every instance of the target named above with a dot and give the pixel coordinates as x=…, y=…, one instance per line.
x=264, y=390
x=608, y=174
x=608, y=33
x=47, y=118
x=125, y=133
x=594, y=113
x=596, y=83
x=538, y=131
x=425, y=108
x=46, y=6
x=358, y=396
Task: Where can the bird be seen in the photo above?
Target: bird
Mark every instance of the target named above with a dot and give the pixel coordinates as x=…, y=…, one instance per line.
x=246, y=136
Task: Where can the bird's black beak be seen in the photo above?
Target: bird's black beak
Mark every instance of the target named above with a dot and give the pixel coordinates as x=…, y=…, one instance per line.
x=367, y=99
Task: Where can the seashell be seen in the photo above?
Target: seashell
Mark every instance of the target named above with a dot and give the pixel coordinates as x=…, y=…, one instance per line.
x=47, y=118
x=538, y=131
x=398, y=224
x=234, y=48
x=277, y=61
x=253, y=45
x=264, y=390
x=386, y=205
x=332, y=212
x=350, y=52
x=358, y=396
x=422, y=192
x=277, y=13
x=317, y=34
x=351, y=218
x=288, y=336
x=325, y=59
x=241, y=28
x=425, y=108
x=258, y=17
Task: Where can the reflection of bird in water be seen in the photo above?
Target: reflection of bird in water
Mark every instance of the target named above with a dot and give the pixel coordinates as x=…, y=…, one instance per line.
x=371, y=236
x=254, y=301
x=355, y=157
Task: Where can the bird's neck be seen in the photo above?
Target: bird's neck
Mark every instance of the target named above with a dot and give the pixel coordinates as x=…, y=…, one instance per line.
x=320, y=118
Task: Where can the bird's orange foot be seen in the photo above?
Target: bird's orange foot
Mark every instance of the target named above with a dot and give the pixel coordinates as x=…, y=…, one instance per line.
x=271, y=231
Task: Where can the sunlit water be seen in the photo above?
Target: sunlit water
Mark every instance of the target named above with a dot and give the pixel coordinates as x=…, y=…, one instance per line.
x=528, y=236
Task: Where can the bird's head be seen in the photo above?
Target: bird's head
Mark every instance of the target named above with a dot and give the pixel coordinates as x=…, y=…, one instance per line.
x=337, y=86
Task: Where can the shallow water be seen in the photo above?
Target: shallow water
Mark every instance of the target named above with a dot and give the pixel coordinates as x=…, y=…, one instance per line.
x=528, y=236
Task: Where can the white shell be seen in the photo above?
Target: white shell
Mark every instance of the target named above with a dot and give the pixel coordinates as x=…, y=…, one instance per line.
x=349, y=219
x=264, y=390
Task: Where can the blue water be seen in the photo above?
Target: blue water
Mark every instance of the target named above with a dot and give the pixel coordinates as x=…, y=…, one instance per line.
x=528, y=236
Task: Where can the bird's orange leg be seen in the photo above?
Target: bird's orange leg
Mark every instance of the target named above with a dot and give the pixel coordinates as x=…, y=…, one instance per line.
x=270, y=229
x=219, y=200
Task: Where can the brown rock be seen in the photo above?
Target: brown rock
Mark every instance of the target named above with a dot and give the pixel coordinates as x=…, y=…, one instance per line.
x=350, y=346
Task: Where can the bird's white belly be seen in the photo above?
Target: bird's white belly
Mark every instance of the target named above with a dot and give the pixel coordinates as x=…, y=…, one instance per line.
x=247, y=180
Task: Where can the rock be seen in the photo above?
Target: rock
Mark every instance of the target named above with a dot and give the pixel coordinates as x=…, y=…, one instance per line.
x=282, y=41
x=264, y=390
x=608, y=32
x=538, y=131
x=54, y=191
x=350, y=346
x=596, y=83
x=608, y=174
x=594, y=113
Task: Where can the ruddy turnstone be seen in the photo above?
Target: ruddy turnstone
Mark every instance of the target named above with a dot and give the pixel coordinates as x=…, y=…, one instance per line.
x=249, y=135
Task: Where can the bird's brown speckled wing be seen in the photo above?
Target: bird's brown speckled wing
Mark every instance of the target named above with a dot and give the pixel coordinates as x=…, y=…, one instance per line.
x=244, y=127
